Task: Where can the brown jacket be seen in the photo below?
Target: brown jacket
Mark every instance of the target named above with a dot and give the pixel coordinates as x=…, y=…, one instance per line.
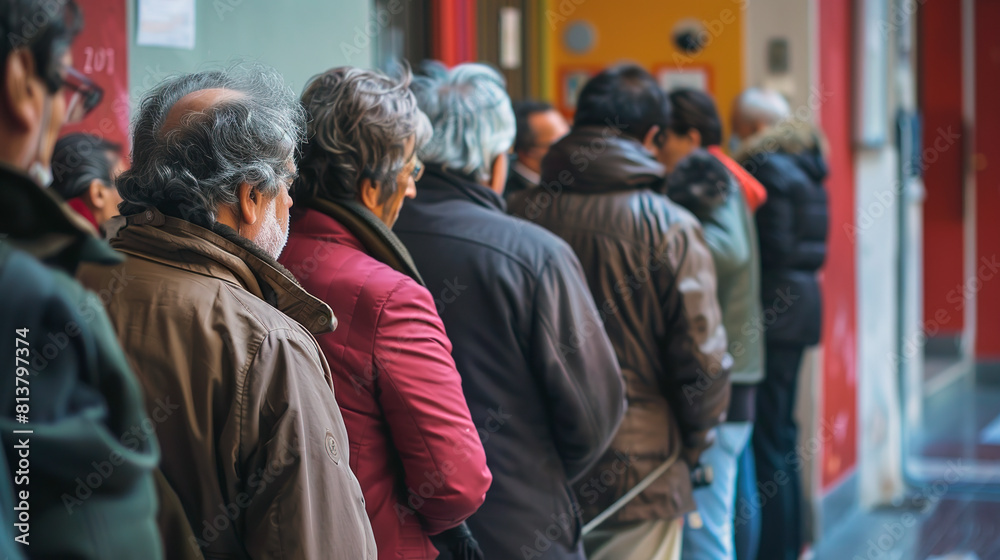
x=652, y=276
x=239, y=393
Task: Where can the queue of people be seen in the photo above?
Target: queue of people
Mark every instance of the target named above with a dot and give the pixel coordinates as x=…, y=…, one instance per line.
x=347, y=325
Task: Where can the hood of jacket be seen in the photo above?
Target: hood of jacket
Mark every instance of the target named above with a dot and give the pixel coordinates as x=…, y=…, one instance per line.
x=799, y=140
x=593, y=159
x=222, y=253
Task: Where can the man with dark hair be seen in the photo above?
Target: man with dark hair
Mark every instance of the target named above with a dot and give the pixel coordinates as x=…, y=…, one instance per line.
x=84, y=168
x=72, y=410
x=221, y=334
x=652, y=277
x=539, y=126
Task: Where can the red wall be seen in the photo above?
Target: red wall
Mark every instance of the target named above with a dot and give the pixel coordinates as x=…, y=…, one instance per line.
x=987, y=165
x=838, y=428
x=101, y=52
x=940, y=83
x=453, y=29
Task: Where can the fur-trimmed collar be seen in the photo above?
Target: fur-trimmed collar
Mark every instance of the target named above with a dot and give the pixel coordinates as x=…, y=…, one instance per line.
x=791, y=137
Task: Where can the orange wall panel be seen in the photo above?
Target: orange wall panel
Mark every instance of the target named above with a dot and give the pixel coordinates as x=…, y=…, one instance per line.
x=641, y=31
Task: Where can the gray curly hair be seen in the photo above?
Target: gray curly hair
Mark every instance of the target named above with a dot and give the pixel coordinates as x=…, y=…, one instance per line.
x=359, y=122
x=193, y=169
x=471, y=113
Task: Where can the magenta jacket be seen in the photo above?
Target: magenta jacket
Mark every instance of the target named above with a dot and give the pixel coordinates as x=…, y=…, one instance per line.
x=414, y=448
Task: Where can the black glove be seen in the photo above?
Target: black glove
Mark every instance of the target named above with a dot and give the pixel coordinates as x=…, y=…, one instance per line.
x=459, y=543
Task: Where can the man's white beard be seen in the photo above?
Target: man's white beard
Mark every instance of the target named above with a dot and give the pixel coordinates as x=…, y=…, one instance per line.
x=272, y=237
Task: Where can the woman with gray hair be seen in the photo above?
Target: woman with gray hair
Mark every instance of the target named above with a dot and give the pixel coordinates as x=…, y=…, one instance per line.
x=414, y=447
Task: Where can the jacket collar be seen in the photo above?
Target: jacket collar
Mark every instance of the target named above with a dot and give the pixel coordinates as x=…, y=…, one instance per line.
x=440, y=184
x=594, y=159
x=369, y=234
x=222, y=253
x=798, y=139
x=38, y=222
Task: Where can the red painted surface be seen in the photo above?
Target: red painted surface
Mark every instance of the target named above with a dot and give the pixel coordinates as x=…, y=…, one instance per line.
x=940, y=83
x=987, y=165
x=101, y=52
x=838, y=404
x=454, y=30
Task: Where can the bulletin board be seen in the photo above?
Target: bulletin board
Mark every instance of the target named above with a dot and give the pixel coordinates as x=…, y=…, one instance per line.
x=100, y=51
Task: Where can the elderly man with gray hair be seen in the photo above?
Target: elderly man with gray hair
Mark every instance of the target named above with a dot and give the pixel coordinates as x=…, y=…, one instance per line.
x=413, y=446
x=539, y=373
x=221, y=335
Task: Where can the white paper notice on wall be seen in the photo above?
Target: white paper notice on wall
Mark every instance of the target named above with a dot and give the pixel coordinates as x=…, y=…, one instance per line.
x=166, y=23
x=510, y=38
x=686, y=78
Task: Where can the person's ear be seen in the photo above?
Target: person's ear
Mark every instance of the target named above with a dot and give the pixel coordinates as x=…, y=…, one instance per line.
x=650, y=140
x=369, y=194
x=97, y=194
x=498, y=174
x=250, y=201
x=19, y=89
x=695, y=137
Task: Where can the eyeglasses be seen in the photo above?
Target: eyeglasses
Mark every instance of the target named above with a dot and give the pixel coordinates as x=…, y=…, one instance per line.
x=418, y=169
x=82, y=95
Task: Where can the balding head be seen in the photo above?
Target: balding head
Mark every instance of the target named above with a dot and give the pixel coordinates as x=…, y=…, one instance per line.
x=756, y=109
x=197, y=102
x=198, y=137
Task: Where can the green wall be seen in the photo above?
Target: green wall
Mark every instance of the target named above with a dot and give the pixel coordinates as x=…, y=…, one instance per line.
x=300, y=38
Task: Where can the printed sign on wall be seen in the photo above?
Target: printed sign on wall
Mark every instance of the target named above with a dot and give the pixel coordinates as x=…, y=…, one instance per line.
x=101, y=52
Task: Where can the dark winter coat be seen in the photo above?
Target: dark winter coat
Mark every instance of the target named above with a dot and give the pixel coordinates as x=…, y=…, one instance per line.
x=539, y=374
x=792, y=226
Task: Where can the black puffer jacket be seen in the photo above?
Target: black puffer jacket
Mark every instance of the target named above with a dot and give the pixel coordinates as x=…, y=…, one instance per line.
x=792, y=226
x=538, y=372
x=653, y=279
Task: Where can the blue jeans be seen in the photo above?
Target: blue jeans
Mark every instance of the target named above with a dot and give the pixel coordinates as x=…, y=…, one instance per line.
x=747, y=523
x=717, y=501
